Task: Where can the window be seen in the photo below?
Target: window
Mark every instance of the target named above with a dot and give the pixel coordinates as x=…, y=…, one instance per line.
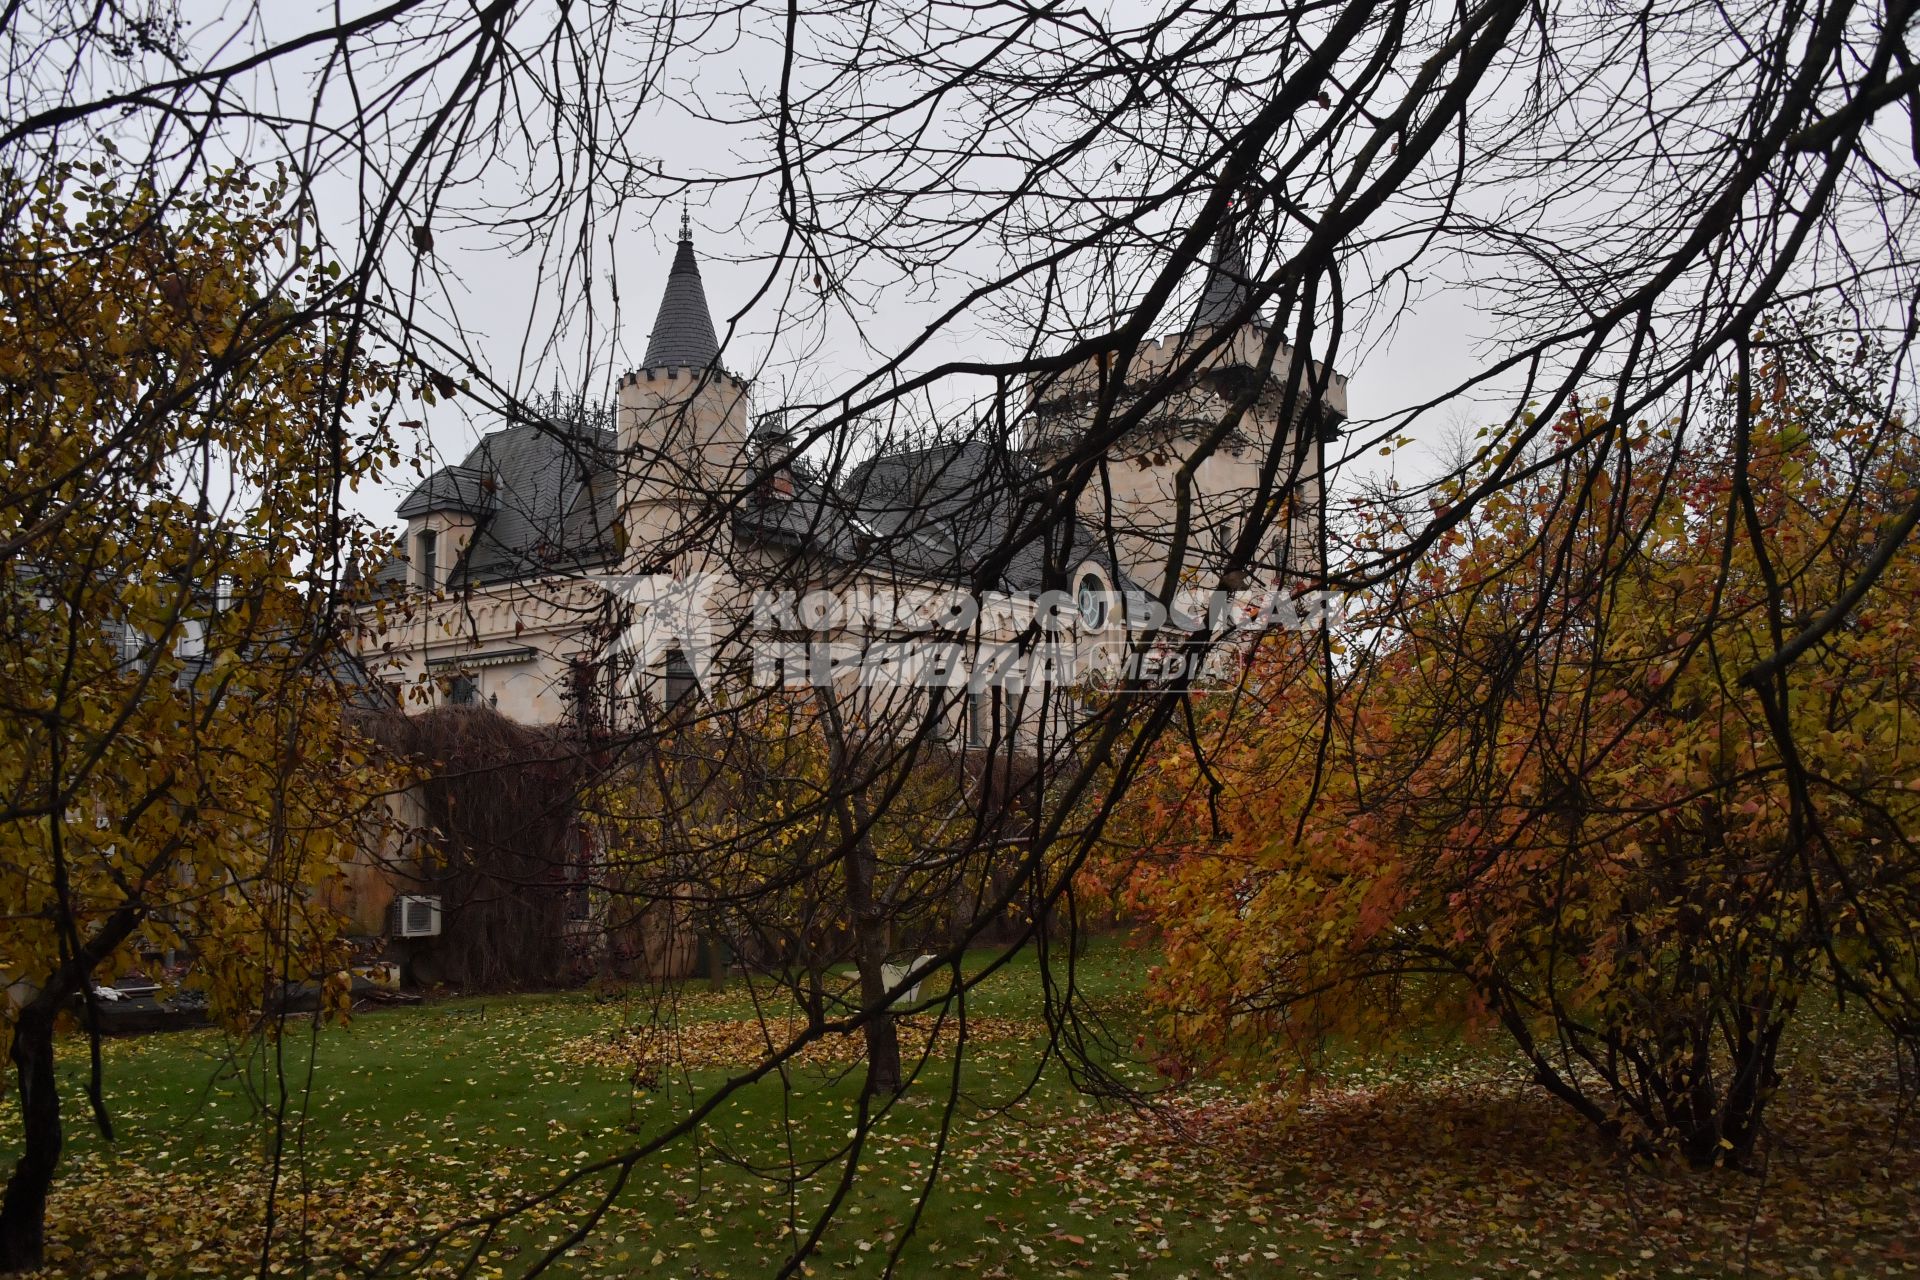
x=1091, y=596
x=680, y=678
x=192, y=641
x=429, y=558
x=463, y=692
x=979, y=717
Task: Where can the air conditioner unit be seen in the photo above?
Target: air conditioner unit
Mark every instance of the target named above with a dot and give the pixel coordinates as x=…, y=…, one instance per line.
x=414, y=915
x=892, y=975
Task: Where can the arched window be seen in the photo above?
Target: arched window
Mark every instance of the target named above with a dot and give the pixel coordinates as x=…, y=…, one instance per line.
x=1091, y=597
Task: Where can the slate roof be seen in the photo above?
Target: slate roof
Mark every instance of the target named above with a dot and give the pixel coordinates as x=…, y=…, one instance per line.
x=812, y=518
x=461, y=489
x=552, y=495
x=553, y=506
x=1223, y=299
x=682, y=335
x=938, y=513
x=943, y=510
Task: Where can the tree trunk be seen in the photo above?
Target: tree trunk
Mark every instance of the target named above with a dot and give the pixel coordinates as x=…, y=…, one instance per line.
x=23, y=1208
x=1755, y=1076
x=23, y=1211
x=869, y=922
x=870, y=953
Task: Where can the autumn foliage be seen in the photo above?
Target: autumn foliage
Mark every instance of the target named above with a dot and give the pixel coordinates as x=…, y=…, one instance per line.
x=176, y=777
x=1544, y=783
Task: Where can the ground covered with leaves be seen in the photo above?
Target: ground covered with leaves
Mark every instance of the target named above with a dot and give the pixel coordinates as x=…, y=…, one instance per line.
x=411, y=1121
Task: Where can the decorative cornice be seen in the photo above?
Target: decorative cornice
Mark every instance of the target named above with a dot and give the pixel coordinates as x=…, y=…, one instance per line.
x=495, y=658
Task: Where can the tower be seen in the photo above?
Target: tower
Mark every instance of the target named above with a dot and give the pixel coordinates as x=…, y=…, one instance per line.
x=1134, y=501
x=683, y=427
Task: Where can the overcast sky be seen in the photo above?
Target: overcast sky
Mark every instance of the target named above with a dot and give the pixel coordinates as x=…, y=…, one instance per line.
x=507, y=313
x=1432, y=341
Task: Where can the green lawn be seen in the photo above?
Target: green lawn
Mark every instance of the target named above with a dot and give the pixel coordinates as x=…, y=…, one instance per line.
x=419, y=1117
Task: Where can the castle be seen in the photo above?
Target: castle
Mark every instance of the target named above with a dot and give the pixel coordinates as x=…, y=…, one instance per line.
x=554, y=560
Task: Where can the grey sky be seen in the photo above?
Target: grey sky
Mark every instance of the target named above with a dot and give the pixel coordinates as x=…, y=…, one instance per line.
x=506, y=306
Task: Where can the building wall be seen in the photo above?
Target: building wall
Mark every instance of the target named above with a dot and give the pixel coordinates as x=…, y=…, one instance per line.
x=367, y=886
x=514, y=642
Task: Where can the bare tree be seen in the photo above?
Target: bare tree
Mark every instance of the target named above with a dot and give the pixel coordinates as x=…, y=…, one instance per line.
x=1141, y=247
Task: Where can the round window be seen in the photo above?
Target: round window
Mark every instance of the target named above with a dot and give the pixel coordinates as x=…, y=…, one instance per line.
x=1092, y=599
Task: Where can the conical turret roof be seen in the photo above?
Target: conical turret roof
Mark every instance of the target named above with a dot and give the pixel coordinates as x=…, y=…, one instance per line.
x=682, y=335
x=1224, y=299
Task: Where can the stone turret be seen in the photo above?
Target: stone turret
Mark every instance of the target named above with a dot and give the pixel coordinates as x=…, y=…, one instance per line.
x=683, y=422
x=1137, y=500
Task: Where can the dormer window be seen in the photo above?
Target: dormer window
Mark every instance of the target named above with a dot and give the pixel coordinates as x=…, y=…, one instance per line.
x=427, y=557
